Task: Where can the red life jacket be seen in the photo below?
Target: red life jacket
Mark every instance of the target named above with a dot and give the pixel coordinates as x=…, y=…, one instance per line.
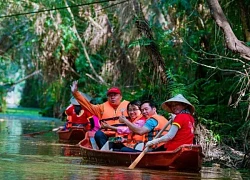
x=81, y=119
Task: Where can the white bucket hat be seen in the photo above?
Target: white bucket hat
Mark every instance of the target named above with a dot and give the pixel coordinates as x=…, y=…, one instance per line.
x=177, y=98
x=75, y=102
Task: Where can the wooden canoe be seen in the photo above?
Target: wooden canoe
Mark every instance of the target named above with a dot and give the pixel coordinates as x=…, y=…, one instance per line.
x=72, y=134
x=185, y=158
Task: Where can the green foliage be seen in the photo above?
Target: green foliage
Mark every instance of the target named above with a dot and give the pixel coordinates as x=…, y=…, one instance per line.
x=208, y=89
x=197, y=63
x=9, y=73
x=140, y=42
x=31, y=88
x=23, y=111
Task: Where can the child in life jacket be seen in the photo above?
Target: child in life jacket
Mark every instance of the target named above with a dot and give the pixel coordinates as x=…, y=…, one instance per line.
x=78, y=116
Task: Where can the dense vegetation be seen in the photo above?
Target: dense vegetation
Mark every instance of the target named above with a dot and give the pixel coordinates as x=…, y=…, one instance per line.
x=150, y=49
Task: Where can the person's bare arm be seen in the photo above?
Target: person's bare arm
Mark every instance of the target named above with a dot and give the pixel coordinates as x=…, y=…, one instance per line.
x=107, y=126
x=94, y=109
x=133, y=127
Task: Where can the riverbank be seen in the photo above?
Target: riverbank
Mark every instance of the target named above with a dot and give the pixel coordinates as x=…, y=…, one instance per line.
x=24, y=114
x=219, y=154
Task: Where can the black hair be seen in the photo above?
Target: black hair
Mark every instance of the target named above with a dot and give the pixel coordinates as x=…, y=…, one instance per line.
x=151, y=103
x=134, y=102
x=77, y=109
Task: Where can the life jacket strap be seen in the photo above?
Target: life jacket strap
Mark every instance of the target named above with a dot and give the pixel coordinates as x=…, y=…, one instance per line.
x=113, y=118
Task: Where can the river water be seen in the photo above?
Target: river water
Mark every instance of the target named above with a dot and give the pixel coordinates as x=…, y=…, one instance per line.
x=30, y=150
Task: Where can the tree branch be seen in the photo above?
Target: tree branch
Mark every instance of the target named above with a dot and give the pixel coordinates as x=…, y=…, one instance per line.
x=100, y=79
x=9, y=86
x=152, y=49
x=218, y=68
x=232, y=42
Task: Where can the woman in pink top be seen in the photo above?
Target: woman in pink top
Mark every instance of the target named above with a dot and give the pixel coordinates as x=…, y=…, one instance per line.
x=134, y=113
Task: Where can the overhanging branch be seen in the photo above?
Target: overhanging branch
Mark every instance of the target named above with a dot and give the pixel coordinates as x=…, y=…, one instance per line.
x=232, y=42
x=11, y=85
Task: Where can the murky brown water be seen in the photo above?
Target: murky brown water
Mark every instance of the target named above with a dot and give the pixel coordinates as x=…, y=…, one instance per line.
x=25, y=154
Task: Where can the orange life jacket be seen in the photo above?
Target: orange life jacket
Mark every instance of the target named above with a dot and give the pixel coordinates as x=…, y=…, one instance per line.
x=162, y=121
x=133, y=139
x=111, y=116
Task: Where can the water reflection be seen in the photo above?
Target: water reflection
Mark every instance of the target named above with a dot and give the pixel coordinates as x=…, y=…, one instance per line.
x=219, y=173
x=42, y=156
x=10, y=134
x=70, y=150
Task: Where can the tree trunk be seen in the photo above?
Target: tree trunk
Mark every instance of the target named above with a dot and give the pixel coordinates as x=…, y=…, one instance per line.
x=244, y=14
x=232, y=42
x=152, y=49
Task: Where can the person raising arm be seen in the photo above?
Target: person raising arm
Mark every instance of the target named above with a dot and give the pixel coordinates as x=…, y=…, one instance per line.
x=108, y=111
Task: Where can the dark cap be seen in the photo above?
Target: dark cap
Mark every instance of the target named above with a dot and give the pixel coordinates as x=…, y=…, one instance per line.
x=114, y=90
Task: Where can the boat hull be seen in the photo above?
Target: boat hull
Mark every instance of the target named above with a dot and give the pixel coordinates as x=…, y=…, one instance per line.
x=186, y=157
x=72, y=134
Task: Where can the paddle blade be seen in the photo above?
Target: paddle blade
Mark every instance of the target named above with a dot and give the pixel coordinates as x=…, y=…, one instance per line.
x=93, y=143
x=57, y=129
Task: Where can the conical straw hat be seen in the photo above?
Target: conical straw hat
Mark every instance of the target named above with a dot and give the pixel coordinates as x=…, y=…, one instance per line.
x=177, y=98
x=75, y=102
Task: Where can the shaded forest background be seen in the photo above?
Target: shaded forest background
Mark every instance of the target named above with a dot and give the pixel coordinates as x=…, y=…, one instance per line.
x=150, y=49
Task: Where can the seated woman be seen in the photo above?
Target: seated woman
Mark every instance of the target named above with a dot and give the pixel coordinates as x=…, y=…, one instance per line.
x=78, y=116
x=182, y=129
x=130, y=139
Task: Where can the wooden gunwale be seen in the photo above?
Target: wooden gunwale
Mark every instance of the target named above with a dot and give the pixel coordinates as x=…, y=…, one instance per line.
x=187, y=157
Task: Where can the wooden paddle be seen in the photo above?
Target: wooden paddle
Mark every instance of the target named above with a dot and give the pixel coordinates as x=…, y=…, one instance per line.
x=36, y=133
x=57, y=129
x=91, y=135
x=137, y=160
x=42, y=132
